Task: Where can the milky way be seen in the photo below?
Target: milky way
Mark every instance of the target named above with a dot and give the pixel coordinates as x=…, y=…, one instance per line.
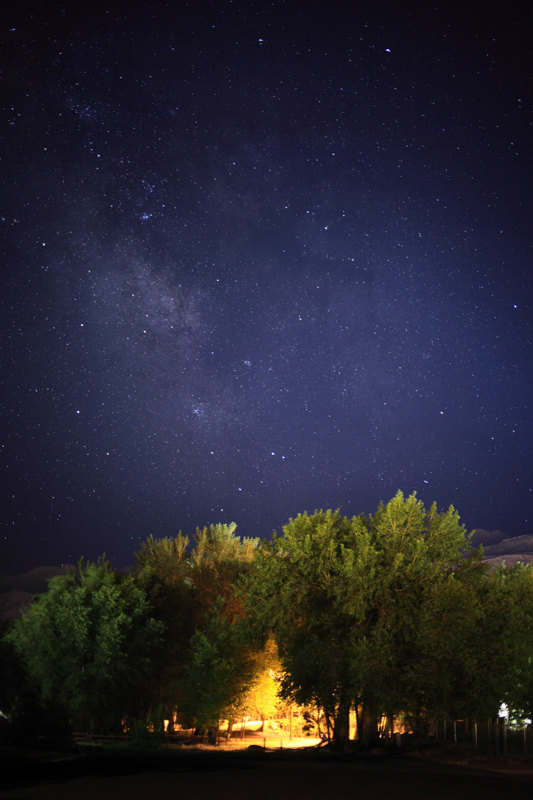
x=259, y=260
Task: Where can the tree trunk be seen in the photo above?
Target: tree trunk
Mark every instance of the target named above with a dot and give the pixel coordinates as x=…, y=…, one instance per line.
x=341, y=726
x=212, y=734
x=369, y=726
x=329, y=726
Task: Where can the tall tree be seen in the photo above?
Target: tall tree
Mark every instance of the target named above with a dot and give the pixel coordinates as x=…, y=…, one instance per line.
x=310, y=587
x=505, y=649
x=343, y=598
x=164, y=571
x=420, y=555
x=88, y=644
x=218, y=672
x=207, y=661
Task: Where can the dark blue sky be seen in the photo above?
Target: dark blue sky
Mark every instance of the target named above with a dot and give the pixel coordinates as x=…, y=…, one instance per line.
x=261, y=258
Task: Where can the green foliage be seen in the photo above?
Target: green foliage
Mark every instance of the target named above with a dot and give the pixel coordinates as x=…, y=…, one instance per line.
x=421, y=566
x=167, y=557
x=219, y=560
x=309, y=587
x=262, y=700
x=217, y=544
x=346, y=599
x=12, y=677
x=206, y=660
x=88, y=644
x=218, y=671
x=163, y=571
x=148, y=733
x=391, y=613
x=506, y=647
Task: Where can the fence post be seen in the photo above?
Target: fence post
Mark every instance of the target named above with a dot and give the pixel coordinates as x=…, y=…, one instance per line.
x=474, y=731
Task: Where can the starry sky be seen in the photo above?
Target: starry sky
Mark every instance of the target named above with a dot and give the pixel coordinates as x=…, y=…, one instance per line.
x=260, y=258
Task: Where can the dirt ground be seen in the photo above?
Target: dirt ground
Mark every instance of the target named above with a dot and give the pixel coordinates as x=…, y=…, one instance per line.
x=258, y=776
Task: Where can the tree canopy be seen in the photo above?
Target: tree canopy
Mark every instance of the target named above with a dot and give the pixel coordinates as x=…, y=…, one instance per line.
x=208, y=662
x=88, y=644
x=345, y=599
x=389, y=614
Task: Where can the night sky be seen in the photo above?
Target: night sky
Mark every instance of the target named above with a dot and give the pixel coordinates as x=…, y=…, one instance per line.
x=260, y=258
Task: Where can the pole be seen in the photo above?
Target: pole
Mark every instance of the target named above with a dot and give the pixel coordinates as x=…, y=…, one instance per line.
x=290, y=723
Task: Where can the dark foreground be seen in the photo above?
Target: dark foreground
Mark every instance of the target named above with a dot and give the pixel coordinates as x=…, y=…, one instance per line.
x=258, y=776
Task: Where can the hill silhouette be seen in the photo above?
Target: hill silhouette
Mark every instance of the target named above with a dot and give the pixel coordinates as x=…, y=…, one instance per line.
x=17, y=591
x=498, y=547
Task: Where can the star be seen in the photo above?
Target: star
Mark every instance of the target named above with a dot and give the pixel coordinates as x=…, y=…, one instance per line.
x=253, y=240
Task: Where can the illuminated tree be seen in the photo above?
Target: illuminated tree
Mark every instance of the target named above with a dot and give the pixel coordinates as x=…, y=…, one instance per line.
x=309, y=587
x=218, y=561
x=344, y=598
x=262, y=699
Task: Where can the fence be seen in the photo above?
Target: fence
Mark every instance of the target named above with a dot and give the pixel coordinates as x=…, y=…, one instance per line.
x=491, y=737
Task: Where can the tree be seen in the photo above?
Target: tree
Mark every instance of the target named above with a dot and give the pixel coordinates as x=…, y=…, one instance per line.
x=88, y=644
x=310, y=587
x=505, y=649
x=219, y=560
x=218, y=672
x=262, y=700
x=343, y=598
x=423, y=559
x=207, y=664
x=164, y=571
